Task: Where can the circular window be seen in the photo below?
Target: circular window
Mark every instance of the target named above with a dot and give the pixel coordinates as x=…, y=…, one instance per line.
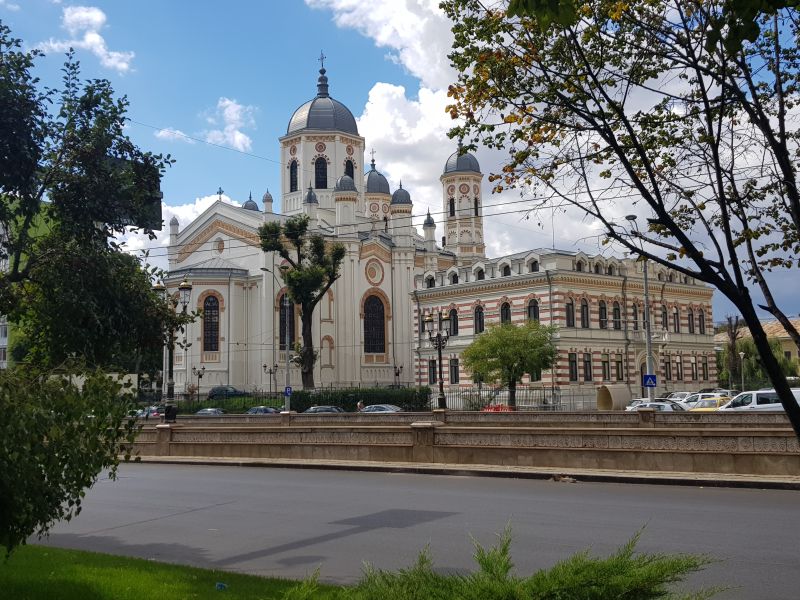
x=476, y=189
x=374, y=207
x=320, y=147
x=463, y=188
x=293, y=150
x=349, y=150
x=374, y=272
x=386, y=208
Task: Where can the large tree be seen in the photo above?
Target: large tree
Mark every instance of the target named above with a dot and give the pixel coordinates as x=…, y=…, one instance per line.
x=754, y=375
x=642, y=107
x=313, y=267
x=506, y=352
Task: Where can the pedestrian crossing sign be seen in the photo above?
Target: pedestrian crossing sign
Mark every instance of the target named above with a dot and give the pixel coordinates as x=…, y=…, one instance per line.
x=649, y=381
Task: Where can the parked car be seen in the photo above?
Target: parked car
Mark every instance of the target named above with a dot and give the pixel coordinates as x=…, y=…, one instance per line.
x=709, y=404
x=262, y=410
x=678, y=396
x=324, y=409
x=760, y=400
x=225, y=391
x=634, y=404
x=209, y=412
x=690, y=400
x=150, y=411
x=658, y=406
x=381, y=408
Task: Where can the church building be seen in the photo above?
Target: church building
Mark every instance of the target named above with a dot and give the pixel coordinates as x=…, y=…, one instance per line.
x=368, y=330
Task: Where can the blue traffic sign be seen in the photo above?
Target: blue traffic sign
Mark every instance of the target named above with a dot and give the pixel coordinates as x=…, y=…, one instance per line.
x=649, y=381
x=287, y=391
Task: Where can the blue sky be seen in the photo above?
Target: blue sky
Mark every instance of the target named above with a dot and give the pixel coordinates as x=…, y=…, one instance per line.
x=233, y=73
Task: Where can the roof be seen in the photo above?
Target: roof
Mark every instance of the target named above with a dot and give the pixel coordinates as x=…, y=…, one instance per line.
x=323, y=112
x=211, y=266
x=461, y=162
x=401, y=196
x=773, y=329
x=375, y=182
x=345, y=183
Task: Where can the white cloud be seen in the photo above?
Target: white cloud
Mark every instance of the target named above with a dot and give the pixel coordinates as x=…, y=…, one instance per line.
x=233, y=117
x=173, y=135
x=9, y=5
x=83, y=23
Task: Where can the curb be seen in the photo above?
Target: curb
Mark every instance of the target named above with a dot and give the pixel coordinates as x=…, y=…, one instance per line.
x=566, y=475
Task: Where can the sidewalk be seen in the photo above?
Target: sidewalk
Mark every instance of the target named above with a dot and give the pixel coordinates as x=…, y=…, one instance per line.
x=787, y=482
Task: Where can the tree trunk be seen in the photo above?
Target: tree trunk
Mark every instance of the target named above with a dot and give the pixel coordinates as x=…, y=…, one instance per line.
x=512, y=394
x=770, y=364
x=307, y=358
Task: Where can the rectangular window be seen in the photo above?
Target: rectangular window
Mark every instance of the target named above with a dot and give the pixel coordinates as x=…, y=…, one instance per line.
x=704, y=366
x=679, y=368
x=432, y=371
x=694, y=369
x=619, y=367
x=587, y=366
x=570, y=314
x=605, y=363
x=667, y=368
x=536, y=375
x=453, y=370
x=573, y=366
x=786, y=353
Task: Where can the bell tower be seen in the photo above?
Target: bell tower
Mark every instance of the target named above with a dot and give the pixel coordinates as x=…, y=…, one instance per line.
x=463, y=207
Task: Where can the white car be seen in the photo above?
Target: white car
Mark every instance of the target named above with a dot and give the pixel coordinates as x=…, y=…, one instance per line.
x=657, y=406
x=761, y=400
x=690, y=400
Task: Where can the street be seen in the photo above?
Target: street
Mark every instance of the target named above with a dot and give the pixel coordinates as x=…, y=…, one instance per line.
x=287, y=522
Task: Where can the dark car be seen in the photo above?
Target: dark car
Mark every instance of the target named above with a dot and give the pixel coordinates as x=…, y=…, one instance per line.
x=210, y=412
x=225, y=391
x=381, y=408
x=324, y=409
x=262, y=410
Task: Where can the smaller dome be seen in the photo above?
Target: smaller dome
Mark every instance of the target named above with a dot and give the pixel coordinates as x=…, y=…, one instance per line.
x=250, y=204
x=173, y=221
x=311, y=197
x=461, y=162
x=429, y=222
x=266, y=198
x=345, y=183
x=401, y=196
x=375, y=182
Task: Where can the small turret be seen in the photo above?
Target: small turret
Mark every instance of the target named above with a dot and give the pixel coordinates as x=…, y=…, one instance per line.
x=429, y=229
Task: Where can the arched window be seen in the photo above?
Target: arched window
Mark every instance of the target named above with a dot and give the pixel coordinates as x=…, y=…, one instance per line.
x=374, y=326
x=286, y=315
x=579, y=265
x=211, y=324
x=603, y=315
x=454, y=278
x=476, y=206
x=701, y=321
x=597, y=268
x=430, y=282
x=610, y=270
x=453, y=321
x=670, y=277
x=479, y=274
x=664, y=319
x=321, y=173
x=661, y=277
x=635, y=316
x=616, y=316
x=293, y=176
x=676, y=320
x=506, y=270
x=349, y=169
x=533, y=310
x=584, y=314
x=479, y=326
x=534, y=268
x=690, y=320
x=452, y=207
x=570, y=313
x=505, y=313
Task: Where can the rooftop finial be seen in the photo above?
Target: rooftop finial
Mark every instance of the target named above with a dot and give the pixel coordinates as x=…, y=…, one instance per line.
x=401, y=184
x=321, y=60
x=373, y=158
x=250, y=197
x=219, y=193
x=460, y=145
x=322, y=82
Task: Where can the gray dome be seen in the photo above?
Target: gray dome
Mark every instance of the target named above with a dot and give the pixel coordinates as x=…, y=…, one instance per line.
x=461, y=162
x=250, y=204
x=266, y=198
x=429, y=222
x=311, y=197
x=345, y=183
x=375, y=182
x=323, y=112
x=401, y=196
x=173, y=221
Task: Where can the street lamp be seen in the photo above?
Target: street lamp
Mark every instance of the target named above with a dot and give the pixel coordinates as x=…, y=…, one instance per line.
x=184, y=295
x=397, y=371
x=439, y=340
x=271, y=371
x=741, y=367
x=287, y=313
x=651, y=392
x=199, y=374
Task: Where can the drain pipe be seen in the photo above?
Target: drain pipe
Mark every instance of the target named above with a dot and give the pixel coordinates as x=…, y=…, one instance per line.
x=419, y=339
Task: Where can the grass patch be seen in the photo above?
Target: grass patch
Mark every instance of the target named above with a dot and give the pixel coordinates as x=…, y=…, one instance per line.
x=45, y=573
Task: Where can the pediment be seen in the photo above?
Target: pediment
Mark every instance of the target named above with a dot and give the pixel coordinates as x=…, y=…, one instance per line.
x=216, y=227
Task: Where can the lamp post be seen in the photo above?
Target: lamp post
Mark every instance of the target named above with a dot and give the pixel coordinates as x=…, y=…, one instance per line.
x=199, y=374
x=271, y=371
x=648, y=338
x=741, y=367
x=184, y=295
x=397, y=371
x=439, y=341
x=285, y=307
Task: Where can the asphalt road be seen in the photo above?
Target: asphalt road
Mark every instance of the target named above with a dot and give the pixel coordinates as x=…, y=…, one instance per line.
x=286, y=522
